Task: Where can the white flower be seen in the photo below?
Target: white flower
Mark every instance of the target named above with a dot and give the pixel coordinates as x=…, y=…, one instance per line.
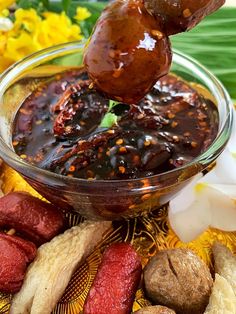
x=5, y=24
x=208, y=201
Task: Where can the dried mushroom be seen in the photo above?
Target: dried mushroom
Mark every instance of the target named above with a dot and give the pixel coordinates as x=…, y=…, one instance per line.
x=155, y=310
x=178, y=279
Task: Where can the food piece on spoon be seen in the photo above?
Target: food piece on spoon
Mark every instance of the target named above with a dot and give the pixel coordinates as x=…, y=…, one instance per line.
x=116, y=282
x=129, y=49
x=222, y=299
x=178, y=279
x=15, y=255
x=128, y=52
x=35, y=219
x=225, y=263
x=157, y=309
x=181, y=15
x=49, y=274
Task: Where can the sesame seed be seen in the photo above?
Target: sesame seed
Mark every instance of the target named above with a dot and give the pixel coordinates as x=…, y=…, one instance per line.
x=187, y=134
x=111, y=131
x=131, y=206
x=174, y=124
x=123, y=150
x=24, y=111
x=170, y=115
x=122, y=169
x=145, y=197
x=91, y=85
x=176, y=138
x=23, y=156
x=120, y=141
x=157, y=34
x=147, y=143
x=72, y=168
x=140, y=116
x=194, y=144
x=187, y=13
x=15, y=143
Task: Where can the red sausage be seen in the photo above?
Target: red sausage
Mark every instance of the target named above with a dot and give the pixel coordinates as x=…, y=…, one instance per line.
x=116, y=282
x=30, y=216
x=15, y=255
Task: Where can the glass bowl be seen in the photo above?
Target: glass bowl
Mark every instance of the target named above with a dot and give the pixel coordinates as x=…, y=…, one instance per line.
x=103, y=199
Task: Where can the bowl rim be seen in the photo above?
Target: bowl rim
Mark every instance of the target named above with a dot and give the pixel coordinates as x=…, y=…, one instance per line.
x=201, y=71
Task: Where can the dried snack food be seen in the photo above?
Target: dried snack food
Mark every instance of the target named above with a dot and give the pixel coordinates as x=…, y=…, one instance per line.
x=178, y=279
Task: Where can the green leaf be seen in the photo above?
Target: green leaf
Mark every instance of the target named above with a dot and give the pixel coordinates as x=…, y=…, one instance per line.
x=66, y=5
x=39, y=5
x=109, y=120
x=213, y=43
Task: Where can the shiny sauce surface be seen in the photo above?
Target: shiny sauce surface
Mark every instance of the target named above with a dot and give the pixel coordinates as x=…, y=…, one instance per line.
x=58, y=128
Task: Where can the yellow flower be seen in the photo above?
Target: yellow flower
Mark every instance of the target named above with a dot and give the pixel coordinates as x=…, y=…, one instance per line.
x=3, y=42
x=82, y=14
x=56, y=29
x=27, y=20
x=21, y=46
x=32, y=32
x=4, y=13
x=4, y=4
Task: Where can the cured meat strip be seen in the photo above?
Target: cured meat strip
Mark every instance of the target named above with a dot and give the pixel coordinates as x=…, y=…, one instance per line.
x=116, y=282
x=37, y=220
x=15, y=255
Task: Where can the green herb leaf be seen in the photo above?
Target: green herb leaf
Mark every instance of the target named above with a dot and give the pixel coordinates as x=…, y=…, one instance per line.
x=112, y=103
x=109, y=120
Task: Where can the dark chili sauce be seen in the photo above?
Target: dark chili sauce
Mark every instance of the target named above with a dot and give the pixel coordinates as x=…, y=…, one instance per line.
x=58, y=128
